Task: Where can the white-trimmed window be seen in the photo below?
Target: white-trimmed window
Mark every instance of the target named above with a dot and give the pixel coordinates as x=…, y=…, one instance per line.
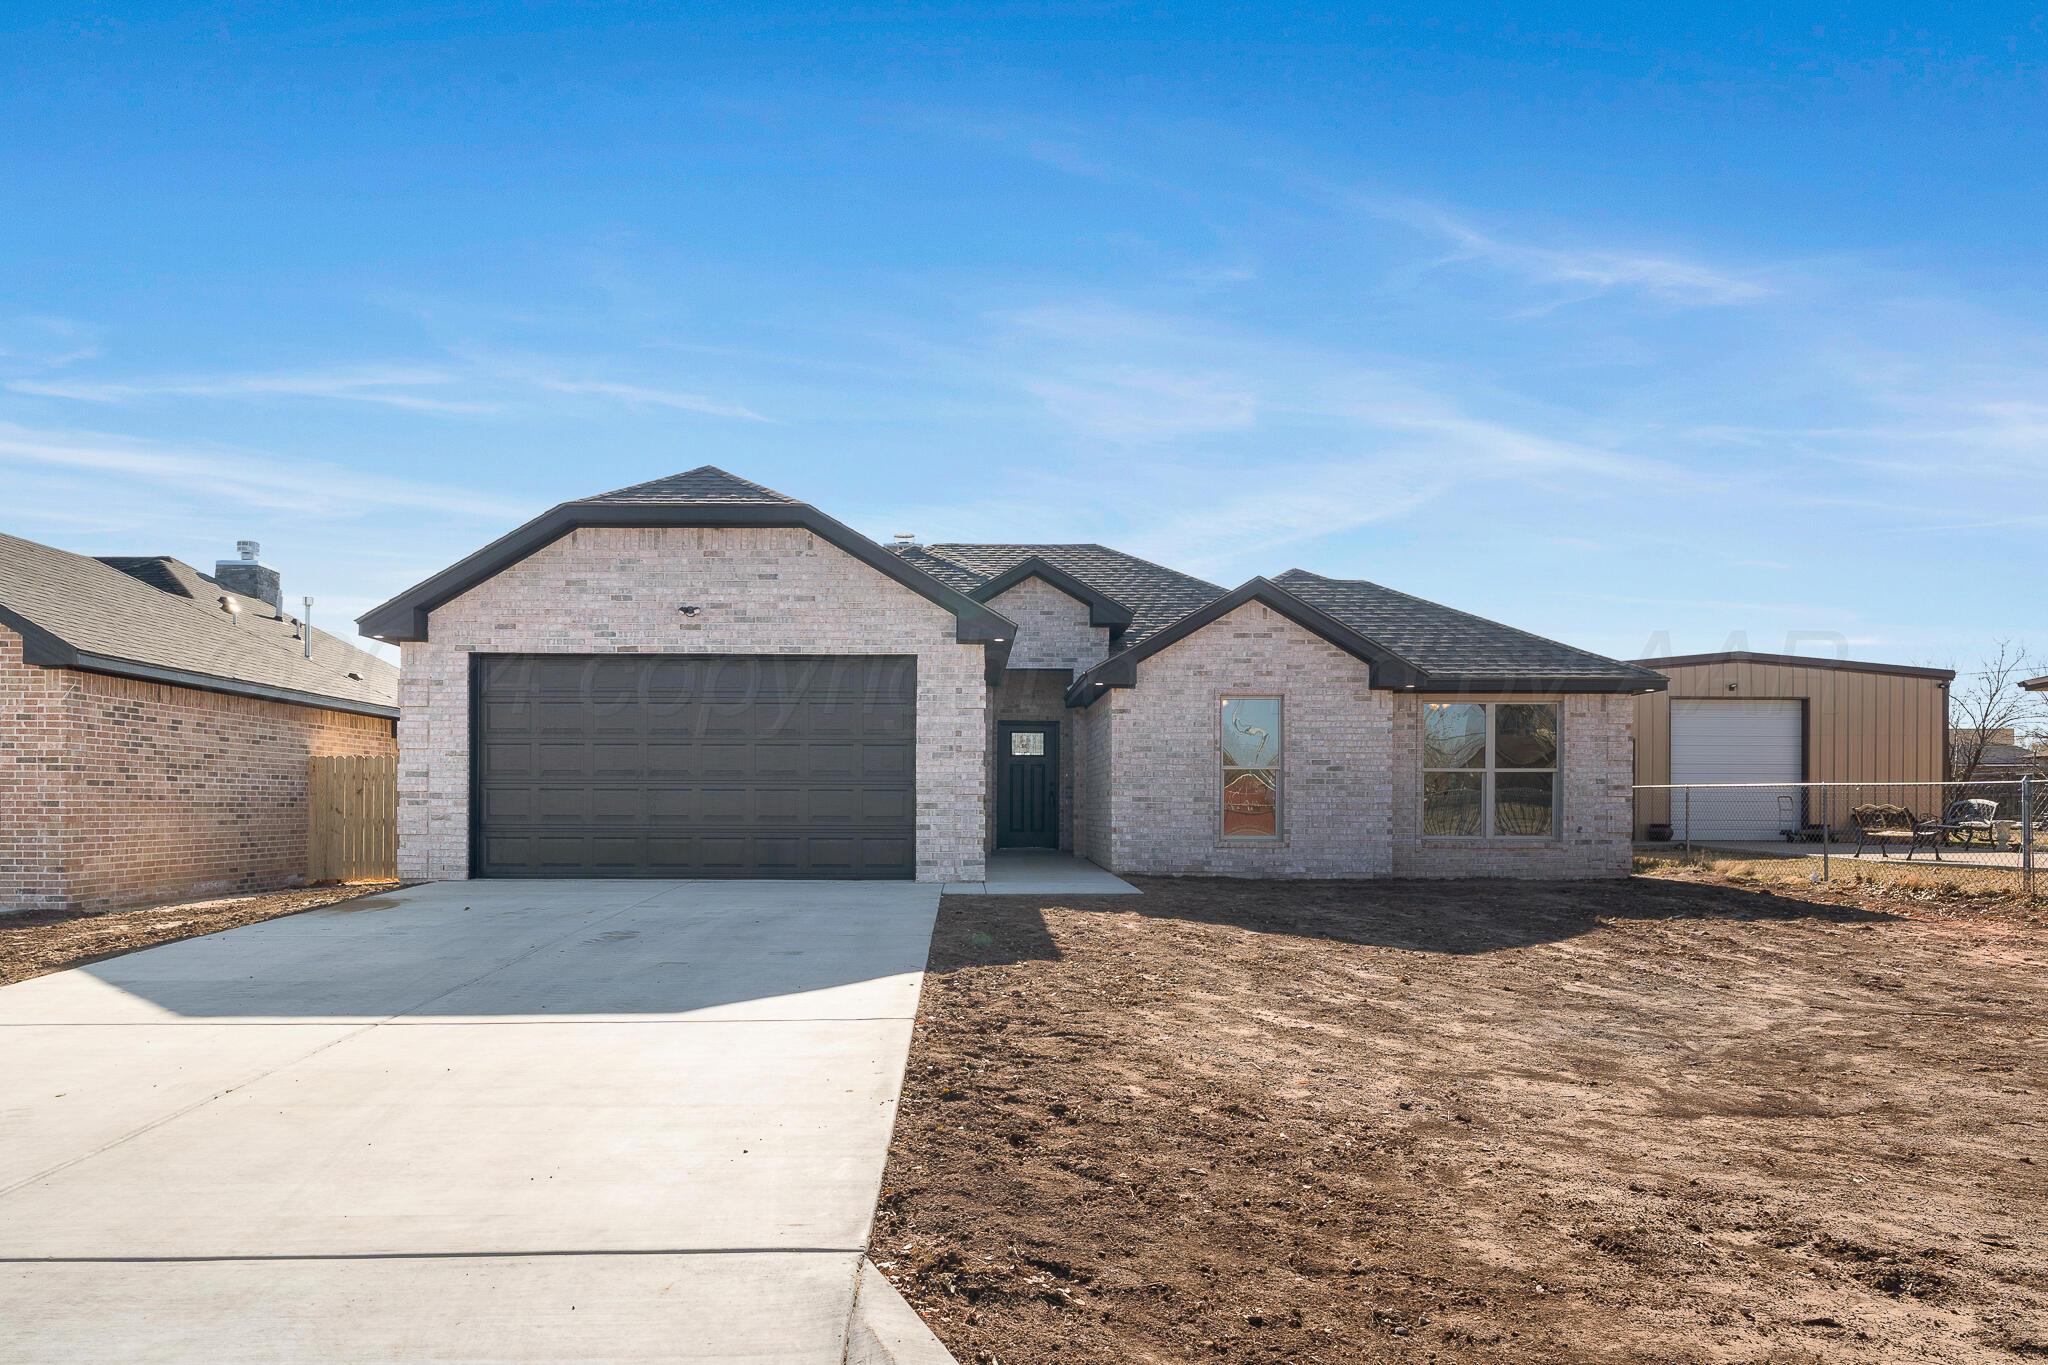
x=1250, y=751
x=1489, y=770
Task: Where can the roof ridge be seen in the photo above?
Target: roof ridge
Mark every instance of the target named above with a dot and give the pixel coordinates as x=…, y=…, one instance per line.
x=1325, y=611
x=648, y=486
x=1455, y=611
x=1080, y=545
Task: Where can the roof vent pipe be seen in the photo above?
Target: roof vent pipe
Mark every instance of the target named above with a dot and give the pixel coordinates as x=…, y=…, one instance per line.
x=306, y=626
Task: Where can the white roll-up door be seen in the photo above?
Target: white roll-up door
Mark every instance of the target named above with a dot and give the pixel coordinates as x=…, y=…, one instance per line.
x=1736, y=741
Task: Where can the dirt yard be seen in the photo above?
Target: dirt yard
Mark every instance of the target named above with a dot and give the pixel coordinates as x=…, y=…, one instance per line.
x=36, y=942
x=1654, y=1120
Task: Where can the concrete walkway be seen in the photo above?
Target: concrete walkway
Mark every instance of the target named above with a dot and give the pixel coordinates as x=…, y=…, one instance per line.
x=503, y=1121
x=1042, y=872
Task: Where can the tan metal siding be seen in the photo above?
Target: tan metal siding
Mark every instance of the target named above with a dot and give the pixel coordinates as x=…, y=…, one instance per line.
x=1861, y=727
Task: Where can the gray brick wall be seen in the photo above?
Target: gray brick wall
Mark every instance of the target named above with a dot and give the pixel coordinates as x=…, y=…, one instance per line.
x=1596, y=758
x=1092, y=772
x=1163, y=737
x=762, y=591
x=1352, y=781
x=1052, y=628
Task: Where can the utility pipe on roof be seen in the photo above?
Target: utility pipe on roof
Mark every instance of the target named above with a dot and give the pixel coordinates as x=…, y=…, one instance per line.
x=306, y=626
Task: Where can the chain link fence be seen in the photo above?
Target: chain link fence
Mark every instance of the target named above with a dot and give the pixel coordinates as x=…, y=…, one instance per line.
x=1982, y=837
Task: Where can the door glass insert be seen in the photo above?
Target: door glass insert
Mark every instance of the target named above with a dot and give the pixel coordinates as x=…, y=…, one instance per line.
x=1027, y=744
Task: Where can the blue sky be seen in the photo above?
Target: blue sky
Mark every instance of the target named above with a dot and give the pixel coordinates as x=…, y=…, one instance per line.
x=1653, y=332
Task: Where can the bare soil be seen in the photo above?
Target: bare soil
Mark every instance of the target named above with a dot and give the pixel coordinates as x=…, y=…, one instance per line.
x=36, y=942
x=1660, y=1119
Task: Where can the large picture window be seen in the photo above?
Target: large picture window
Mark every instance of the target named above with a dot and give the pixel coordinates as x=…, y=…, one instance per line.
x=1251, y=768
x=1489, y=770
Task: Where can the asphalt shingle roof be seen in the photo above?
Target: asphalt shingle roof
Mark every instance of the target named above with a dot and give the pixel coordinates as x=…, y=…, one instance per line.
x=1447, y=642
x=1439, y=642
x=125, y=615
x=2011, y=756
x=704, y=484
x=1155, y=594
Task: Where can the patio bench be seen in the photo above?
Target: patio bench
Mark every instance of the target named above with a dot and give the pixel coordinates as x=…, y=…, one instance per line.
x=1885, y=827
x=1971, y=817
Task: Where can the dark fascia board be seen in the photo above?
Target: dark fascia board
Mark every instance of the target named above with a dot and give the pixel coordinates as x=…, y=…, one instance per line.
x=1103, y=610
x=2039, y=684
x=206, y=682
x=1389, y=670
x=1540, y=683
x=41, y=649
x=1743, y=656
x=404, y=617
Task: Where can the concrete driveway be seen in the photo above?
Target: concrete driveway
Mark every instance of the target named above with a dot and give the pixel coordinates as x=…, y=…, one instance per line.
x=485, y=1121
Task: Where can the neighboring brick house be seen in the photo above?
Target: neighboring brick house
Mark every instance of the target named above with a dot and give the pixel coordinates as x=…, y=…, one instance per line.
x=701, y=677
x=155, y=727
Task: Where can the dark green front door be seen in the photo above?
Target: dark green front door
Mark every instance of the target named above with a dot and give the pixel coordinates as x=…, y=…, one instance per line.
x=1028, y=786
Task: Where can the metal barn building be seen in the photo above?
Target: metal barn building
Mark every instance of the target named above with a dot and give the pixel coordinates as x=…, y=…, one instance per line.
x=1743, y=717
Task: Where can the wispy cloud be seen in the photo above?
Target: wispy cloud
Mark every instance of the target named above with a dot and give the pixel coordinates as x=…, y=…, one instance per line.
x=46, y=341
x=387, y=386
x=652, y=397
x=477, y=388
x=1230, y=444
x=1137, y=403
x=1581, y=271
x=252, y=478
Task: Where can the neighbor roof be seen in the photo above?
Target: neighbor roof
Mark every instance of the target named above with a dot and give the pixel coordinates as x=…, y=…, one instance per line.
x=176, y=576
x=1154, y=593
x=1447, y=644
x=2039, y=684
x=1997, y=755
x=158, y=618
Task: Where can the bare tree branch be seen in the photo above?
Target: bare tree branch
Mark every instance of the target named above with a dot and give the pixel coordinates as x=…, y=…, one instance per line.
x=1989, y=700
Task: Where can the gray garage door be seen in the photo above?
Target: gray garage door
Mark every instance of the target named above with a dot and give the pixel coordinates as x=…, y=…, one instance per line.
x=675, y=765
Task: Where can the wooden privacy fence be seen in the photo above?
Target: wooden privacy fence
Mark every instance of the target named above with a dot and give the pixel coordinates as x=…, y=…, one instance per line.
x=352, y=805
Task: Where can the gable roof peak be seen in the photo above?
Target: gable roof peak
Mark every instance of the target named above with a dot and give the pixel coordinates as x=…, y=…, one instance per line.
x=706, y=484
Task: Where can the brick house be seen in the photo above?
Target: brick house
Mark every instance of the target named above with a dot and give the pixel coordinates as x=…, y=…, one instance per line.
x=155, y=727
x=700, y=677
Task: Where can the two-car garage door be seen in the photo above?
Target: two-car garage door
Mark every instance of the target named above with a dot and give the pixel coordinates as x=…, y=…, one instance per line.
x=694, y=766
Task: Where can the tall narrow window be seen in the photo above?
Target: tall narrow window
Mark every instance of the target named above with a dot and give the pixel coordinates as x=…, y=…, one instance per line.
x=1489, y=770
x=1251, y=767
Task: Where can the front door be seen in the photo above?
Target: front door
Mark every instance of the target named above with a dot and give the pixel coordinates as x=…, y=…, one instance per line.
x=1028, y=786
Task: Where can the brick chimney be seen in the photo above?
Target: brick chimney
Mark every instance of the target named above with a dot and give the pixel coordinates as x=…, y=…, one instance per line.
x=250, y=578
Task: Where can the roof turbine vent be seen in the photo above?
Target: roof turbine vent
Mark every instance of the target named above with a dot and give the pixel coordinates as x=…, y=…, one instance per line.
x=905, y=538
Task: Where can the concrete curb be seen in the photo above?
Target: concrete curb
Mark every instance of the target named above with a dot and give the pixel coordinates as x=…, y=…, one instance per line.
x=884, y=1330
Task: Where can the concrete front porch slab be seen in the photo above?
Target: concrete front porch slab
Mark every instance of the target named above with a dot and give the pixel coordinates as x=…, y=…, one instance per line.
x=1034, y=872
